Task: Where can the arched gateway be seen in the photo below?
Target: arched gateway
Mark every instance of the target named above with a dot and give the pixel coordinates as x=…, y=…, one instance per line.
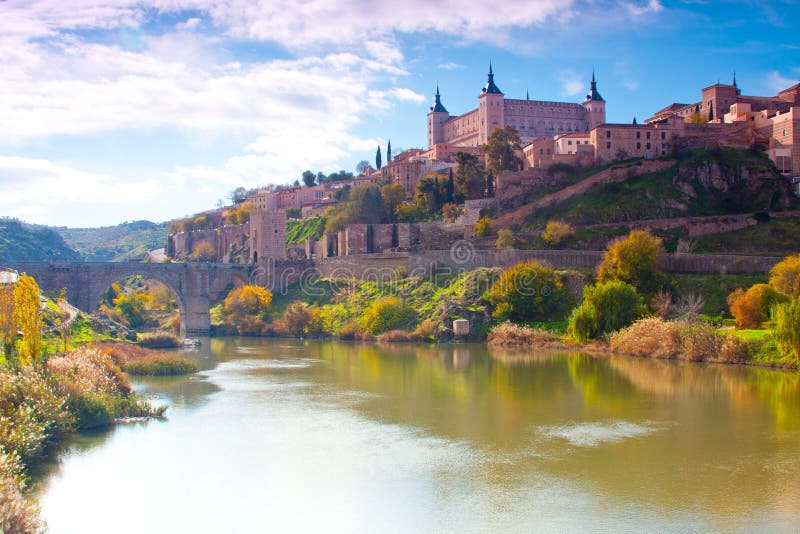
x=196, y=285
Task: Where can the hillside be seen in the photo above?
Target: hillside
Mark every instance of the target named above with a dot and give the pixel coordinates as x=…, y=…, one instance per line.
x=128, y=241
x=21, y=241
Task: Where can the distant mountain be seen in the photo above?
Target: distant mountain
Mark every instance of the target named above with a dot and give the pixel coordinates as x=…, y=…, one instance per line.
x=21, y=241
x=128, y=241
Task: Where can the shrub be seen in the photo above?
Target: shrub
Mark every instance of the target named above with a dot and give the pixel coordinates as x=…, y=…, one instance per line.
x=785, y=276
x=634, y=260
x=386, y=313
x=299, y=319
x=734, y=350
x=204, y=251
x=16, y=514
x=352, y=332
x=606, y=307
x=752, y=307
x=556, y=232
x=158, y=340
x=505, y=239
x=246, y=308
x=130, y=308
x=510, y=334
x=483, y=227
x=529, y=291
x=651, y=336
x=787, y=328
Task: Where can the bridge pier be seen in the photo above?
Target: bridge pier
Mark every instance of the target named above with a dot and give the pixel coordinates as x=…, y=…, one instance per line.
x=195, y=317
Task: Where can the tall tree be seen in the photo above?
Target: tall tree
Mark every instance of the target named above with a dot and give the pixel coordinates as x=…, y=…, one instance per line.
x=8, y=326
x=378, y=162
x=470, y=177
x=489, y=185
x=389, y=152
x=450, y=188
x=501, y=148
x=28, y=318
x=362, y=166
x=393, y=195
x=309, y=178
x=238, y=195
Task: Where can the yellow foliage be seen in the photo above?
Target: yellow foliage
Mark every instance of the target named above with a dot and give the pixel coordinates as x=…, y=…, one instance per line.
x=253, y=301
x=8, y=326
x=752, y=307
x=483, y=227
x=556, y=232
x=505, y=239
x=785, y=276
x=634, y=260
x=27, y=316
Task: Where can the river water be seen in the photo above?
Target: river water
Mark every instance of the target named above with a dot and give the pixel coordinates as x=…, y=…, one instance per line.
x=287, y=436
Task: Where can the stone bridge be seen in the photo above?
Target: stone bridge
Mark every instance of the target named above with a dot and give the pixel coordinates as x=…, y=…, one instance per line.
x=196, y=285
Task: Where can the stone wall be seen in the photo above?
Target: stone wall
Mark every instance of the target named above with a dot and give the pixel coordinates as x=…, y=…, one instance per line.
x=225, y=239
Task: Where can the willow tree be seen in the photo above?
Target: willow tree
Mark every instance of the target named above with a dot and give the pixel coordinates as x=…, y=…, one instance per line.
x=27, y=316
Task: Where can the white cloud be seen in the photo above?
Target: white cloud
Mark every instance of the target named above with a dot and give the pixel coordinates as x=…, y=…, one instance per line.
x=571, y=83
x=638, y=9
x=450, y=65
x=30, y=187
x=777, y=82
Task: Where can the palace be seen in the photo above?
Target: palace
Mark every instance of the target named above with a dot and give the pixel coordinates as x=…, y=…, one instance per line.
x=531, y=118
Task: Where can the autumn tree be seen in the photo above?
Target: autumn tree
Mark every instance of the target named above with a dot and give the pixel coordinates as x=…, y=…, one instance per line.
x=501, y=150
x=785, y=276
x=204, y=251
x=27, y=316
x=752, y=307
x=556, y=232
x=247, y=300
x=505, y=239
x=8, y=325
x=635, y=260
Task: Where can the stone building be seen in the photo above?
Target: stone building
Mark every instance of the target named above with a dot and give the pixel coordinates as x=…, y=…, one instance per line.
x=531, y=118
x=267, y=235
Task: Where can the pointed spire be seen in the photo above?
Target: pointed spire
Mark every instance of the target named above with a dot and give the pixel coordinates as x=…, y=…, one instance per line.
x=734, y=79
x=490, y=85
x=593, y=94
x=437, y=103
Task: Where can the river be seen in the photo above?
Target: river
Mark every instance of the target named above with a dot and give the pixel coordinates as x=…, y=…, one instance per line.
x=286, y=436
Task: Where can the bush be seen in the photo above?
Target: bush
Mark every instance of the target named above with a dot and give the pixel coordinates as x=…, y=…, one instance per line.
x=483, y=227
x=606, y=307
x=634, y=260
x=16, y=515
x=510, y=334
x=136, y=360
x=299, y=319
x=158, y=340
x=505, y=239
x=785, y=276
x=556, y=232
x=246, y=308
x=652, y=337
x=752, y=307
x=386, y=313
x=529, y=291
x=787, y=328
x=204, y=251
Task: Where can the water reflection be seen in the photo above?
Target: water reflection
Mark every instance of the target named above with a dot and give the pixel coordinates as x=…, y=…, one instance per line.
x=454, y=437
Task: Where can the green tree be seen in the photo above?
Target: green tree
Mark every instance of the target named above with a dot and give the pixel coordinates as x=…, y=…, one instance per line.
x=130, y=308
x=501, y=149
x=635, y=260
x=489, y=184
x=389, y=152
x=470, y=177
x=238, y=195
x=28, y=318
x=429, y=194
x=378, y=162
x=362, y=167
x=393, y=195
x=450, y=188
x=606, y=307
x=309, y=178
x=786, y=317
x=529, y=291
x=368, y=206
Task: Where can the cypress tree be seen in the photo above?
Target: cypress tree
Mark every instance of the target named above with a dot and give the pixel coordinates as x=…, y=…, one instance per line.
x=378, y=163
x=490, y=184
x=389, y=152
x=450, y=187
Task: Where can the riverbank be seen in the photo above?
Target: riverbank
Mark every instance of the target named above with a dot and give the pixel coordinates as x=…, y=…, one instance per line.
x=656, y=338
x=41, y=405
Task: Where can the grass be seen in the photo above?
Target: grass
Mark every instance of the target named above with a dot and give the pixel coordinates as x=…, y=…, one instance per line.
x=158, y=340
x=141, y=361
x=297, y=231
x=776, y=237
x=751, y=334
x=714, y=288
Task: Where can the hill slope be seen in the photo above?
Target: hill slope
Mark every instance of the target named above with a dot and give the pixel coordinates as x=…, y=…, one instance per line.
x=128, y=241
x=21, y=241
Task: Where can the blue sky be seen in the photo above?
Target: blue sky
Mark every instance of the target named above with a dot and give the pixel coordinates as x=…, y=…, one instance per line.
x=156, y=109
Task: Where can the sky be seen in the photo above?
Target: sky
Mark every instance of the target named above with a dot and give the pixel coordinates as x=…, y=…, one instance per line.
x=156, y=109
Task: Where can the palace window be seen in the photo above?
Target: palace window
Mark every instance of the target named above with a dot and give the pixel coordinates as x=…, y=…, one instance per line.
x=638, y=146
x=608, y=145
x=638, y=135
x=648, y=135
x=608, y=134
